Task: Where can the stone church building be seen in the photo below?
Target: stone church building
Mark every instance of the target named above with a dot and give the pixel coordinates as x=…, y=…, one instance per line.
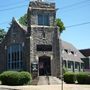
x=37, y=47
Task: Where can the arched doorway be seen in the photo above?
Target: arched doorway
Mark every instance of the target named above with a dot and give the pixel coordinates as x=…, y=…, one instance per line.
x=44, y=65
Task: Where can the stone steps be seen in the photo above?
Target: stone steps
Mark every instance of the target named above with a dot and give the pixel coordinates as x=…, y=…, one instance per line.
x=49, y=80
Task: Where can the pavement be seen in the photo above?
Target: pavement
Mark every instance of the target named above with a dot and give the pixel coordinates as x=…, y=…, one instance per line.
x=50, y=80
x=43, y=80
x=47, y=87
x=47, y=83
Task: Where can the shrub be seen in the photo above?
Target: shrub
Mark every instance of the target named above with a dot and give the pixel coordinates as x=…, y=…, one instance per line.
x=9, y=78
x=69, y=77
x=83, y=78
x=24, y=77
x=64, y=70
x=15, y=78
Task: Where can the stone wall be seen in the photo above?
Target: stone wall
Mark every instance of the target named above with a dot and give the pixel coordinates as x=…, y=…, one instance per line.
x=15, y=35
x=36, y=8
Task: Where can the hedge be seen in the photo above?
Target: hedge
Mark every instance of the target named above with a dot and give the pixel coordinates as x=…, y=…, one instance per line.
x=69, y=77
x=83, y=78
x=15, y=78
x=80, y=77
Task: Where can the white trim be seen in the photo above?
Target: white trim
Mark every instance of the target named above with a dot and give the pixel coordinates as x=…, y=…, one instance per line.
x=52, y=9
x=40, y=26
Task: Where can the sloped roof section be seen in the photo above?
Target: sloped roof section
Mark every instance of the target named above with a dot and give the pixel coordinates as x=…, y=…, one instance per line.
x=72, y=57
x=68, y=46
x=85, y=52
x=21, y=26
x=14, y=25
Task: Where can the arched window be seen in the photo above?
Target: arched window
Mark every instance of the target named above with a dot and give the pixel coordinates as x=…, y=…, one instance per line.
x=14, y=57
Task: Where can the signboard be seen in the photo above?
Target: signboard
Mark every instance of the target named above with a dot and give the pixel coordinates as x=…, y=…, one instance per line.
x=34, y=67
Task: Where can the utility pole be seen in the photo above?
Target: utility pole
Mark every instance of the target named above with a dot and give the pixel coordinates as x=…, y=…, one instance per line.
x=61, y=63
x=61, y=59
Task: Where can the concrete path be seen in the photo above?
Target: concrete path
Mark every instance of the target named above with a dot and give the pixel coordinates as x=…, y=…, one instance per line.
x=43, y=80
x=48, y=87
x=58, y=87
x=50, y=80
x=5, y=87
x=54, y=80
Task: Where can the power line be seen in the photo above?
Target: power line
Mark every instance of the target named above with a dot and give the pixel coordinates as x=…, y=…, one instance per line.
x=11, y=4
x=74, y=4
x=65, y=7
x=80, y=24
x=6, y=22
x=77, y=9
x=75, y=25
x=2, y=10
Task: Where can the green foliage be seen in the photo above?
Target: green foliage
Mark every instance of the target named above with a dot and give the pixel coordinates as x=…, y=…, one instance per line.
x=65, y=70
x=83, y=78
x=2, y=34
x=15, y=78
x=60, y=24
x=69, y=77
x=23, y=20
x=25, y=77
x=9, y=78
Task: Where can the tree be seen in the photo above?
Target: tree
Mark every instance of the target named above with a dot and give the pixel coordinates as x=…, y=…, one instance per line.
x=2, y=34
x=60, y=24
x=23, y=20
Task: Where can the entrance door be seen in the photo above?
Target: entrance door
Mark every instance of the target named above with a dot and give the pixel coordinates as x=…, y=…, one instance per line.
x=44, y=65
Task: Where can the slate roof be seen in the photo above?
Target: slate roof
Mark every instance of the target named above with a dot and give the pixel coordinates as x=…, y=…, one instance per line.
x=22, y=26
x=69, y=56
x=85, y=52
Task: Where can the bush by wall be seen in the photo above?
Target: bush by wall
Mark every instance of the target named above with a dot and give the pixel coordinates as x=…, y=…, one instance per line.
x=15, y=78
x=24, y=77
x=69, y=77
x=64, y=70
x=83, y=78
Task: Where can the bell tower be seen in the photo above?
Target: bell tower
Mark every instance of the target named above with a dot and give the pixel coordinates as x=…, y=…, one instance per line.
x=43, y=42
x=41, y=13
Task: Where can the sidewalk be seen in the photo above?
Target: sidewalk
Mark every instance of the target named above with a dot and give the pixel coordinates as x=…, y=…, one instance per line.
x=57, y=87
x=47, y=87
x=54, y=84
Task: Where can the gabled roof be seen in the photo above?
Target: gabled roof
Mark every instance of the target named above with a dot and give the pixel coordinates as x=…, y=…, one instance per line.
x=70, y=47
x=85, y=52
x=71, y=57
x=15, y=22
x=21, y=26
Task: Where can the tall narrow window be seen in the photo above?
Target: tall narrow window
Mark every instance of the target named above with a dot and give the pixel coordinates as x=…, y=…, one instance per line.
x=40, y=19
x=43, y=19
x=14, y=57
x=43, y=33
x=76, y=65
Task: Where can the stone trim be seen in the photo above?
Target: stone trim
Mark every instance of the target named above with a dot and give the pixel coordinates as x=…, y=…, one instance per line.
x=38, y=8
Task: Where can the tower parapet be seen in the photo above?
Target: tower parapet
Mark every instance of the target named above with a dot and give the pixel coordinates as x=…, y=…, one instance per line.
x=41, y=4
x=41, y=13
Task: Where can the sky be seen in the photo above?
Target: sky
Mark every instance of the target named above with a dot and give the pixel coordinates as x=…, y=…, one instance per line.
x=75, y=15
